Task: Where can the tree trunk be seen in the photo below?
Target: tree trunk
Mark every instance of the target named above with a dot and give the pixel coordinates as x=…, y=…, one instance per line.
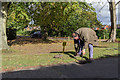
x=0, y=27
x=3, y=26
x=112, y=8
x=45, y=34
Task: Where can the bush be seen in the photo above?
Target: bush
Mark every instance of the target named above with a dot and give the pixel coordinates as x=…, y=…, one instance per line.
x=25, y=32
x=104, y=34
x=118, y=33
x=11, y=33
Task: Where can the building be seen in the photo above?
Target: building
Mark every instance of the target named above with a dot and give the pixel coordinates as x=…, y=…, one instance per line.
x=104, y=27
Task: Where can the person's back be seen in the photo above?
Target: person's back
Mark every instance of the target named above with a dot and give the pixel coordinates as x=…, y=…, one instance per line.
x=88, y=35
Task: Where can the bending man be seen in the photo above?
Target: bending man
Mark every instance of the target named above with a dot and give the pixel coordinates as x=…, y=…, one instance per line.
x=85, y=38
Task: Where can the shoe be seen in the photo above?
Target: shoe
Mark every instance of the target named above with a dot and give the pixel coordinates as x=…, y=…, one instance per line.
x=82, y=62
x=89, y=60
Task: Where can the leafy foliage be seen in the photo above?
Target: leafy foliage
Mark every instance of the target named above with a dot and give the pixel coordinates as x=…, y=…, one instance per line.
x=103, y=34
x=18, y=15
x=118, y=33
x=55, y=18
x=62, y=18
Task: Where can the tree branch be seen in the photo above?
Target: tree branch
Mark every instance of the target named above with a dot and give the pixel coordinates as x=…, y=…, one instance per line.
x=102, y=7
x=8, y=6
x=117, y=3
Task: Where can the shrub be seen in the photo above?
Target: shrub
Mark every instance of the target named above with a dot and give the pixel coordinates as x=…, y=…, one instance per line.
x=104, y=34
x=11, y=33
x=118, y=33
x=25, y=32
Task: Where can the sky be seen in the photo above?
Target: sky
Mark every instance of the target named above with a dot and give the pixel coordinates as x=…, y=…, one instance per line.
x=103, y=15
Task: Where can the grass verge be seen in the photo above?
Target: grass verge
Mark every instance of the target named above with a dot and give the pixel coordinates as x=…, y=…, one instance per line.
x=12, y=59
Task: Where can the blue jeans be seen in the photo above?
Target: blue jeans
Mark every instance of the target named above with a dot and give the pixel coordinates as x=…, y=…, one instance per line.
x=90, y=49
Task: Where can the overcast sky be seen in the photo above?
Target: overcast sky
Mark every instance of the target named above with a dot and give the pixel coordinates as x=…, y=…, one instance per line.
x=104, y=14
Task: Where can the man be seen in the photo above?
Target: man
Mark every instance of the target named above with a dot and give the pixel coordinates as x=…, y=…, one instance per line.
x=84, y=38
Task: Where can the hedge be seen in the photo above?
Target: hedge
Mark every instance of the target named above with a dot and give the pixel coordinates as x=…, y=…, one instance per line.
x=11, y=33
x=118, y=33
x=104, y=34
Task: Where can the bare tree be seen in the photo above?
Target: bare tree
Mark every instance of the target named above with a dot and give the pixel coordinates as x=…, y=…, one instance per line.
x=112, y=8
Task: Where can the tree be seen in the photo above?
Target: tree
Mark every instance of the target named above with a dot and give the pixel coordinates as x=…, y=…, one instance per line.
x=4, y=10
x=112, y=8
x=52, y=15
x=62, y=17
x=0, y=26
x=87, y=18
x=16, y=17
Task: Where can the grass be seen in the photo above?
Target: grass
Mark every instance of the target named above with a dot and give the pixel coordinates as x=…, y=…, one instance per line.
x=13, y=59
x=118, y=39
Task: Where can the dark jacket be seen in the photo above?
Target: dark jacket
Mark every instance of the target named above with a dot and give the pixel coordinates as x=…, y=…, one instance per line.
x=77, y=45
x=88, y=36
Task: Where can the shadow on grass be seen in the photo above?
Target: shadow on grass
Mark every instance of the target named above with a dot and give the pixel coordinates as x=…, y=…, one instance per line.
x=22, y=41
x=108, y=56
x=71, y=54
x=100, y=46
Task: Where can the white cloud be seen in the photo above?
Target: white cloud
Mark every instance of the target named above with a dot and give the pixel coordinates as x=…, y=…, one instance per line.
x=118, y=13
x=104, y=14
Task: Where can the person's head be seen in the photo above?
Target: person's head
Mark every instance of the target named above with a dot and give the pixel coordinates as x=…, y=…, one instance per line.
x=75, y=36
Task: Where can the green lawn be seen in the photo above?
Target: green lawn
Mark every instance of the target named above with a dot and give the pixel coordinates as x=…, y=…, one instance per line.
x=12, y=59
